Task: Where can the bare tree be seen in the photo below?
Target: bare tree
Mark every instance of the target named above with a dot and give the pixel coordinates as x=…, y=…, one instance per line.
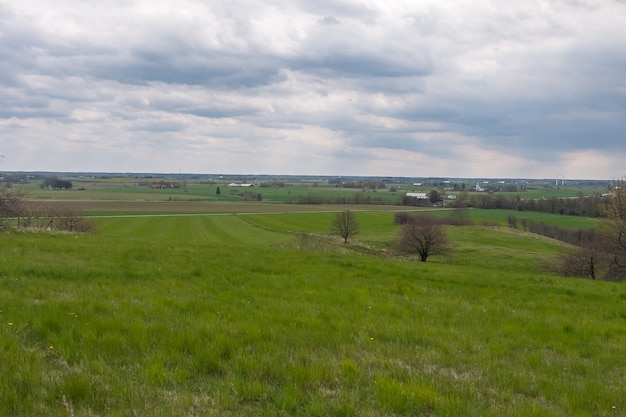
x=67, y=219
x=588, y=258
x=345, y=225
x=614, y=230
x=17, y=212
x=602, y=254
x=423, y=235
x=11, y=204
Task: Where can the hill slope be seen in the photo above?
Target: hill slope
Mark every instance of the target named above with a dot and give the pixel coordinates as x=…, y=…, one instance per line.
x=199, y=315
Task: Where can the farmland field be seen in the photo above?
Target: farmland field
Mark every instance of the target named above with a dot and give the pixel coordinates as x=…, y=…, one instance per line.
x=130, y=188
x=126, y=189
x=183, y=308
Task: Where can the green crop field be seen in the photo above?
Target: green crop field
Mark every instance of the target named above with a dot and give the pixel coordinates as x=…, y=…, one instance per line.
x=134, y=189
x=183, y=308
x=500, y=217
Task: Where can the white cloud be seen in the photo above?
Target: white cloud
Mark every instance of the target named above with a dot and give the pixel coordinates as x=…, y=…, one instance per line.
x=328, y=87
x=591, y=163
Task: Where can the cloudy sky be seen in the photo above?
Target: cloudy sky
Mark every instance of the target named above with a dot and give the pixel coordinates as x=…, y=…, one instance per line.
x=455, y=88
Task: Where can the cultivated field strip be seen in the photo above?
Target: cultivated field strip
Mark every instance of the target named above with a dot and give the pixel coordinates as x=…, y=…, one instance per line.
x=139, y=207
x=181, y=230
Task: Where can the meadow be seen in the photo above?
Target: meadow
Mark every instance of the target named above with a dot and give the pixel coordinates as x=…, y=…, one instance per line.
x=229, y=312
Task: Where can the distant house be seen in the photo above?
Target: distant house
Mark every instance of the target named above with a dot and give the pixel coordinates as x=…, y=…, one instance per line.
x=419, y=196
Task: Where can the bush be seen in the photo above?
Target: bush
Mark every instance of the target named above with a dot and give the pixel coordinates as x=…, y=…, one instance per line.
x=53, y=217
x=460, y=217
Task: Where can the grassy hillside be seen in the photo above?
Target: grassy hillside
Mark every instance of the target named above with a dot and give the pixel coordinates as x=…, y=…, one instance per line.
x=221, y=315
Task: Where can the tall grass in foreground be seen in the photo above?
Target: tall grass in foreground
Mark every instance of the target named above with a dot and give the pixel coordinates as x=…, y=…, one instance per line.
x=216, y=326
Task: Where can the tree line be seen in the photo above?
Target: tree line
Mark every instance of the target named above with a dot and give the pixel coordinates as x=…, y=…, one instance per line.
x=17, y=212
x=602, y=255
x=587, y=206
x=356, y=198
x=562, y=234
x=56, y=184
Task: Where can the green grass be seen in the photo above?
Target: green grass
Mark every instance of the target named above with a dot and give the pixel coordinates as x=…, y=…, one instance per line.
x=216, y=315
x=125, y=191
x=130, y=189
x=500, y=218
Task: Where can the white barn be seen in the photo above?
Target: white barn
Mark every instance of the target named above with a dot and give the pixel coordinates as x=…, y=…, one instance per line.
x=419, y=196
x=232, y=184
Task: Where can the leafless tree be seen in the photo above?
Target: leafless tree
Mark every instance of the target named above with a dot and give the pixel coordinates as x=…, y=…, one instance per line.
x=12, y=204
x=614, y=230
x=17, y=212
x=423, y=235
x=67, y=219
x=587, y=259
x=345, y=225
x=602, y=255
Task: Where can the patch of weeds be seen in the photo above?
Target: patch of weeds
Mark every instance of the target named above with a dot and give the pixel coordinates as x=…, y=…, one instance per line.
x=349, y=371
x=405, y=397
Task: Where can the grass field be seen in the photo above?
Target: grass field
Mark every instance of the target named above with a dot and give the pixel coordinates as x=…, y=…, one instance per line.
x=225, y=314
x=563, y=192
x=126, y=189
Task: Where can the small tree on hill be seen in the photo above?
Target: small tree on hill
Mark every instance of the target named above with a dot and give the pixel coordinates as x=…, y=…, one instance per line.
x=423, y=235
x=345, y=225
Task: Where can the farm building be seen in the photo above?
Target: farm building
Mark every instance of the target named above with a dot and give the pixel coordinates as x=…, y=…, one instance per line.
x=232, y=184
x=419, y=196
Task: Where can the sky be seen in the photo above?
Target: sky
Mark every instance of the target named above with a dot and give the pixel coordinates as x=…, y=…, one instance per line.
x=455, y=88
